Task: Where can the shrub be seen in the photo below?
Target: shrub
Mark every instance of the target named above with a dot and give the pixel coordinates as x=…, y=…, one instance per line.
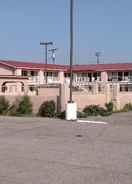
x=12, y=111
x=61, y=115
x=47, y=109
x=127, y=107
x=104, y=112
x=81, y=114
x=24, y=106
x=92, y=110
x=109, y=106
x=4, y=105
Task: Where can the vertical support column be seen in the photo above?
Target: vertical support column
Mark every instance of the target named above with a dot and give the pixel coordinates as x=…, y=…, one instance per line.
x=18, y=72
x=104, y=76
x=1, y=86
x=116, y=89
x=64, y=96
x=95, y=89
x=41, y=77
x=108, y=93
x=74, y=78
x=26, y=88
x=61, y=77
x=19, y=88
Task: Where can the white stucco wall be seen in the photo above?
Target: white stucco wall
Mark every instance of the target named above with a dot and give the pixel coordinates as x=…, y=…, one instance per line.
x=5, y=70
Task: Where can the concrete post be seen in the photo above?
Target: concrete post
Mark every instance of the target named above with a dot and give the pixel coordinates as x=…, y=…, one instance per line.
x=41, y=77
x=64, y=96
x=116, y=101
x=26, y=88
x=1, y=86
x=18, y=72
x=19, y=88
x=61, y=77
x=104, y=76
x=108, y=93
x=95, y=89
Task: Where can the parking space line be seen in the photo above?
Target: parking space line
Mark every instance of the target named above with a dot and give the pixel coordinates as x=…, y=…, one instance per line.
x=92, y=122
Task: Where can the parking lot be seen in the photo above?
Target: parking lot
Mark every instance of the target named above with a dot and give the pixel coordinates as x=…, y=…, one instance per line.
x=43, y=151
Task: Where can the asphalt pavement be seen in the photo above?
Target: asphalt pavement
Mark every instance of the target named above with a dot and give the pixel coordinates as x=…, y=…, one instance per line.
x=51, y=151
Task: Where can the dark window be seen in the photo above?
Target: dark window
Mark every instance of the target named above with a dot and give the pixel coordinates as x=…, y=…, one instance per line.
x=33, y=73
x=24, y=73
x=120, y=76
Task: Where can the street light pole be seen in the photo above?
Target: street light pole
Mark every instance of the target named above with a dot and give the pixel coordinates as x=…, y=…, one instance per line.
x=71, y=107
x=97, y=54
x=46, y=44
x=53, y=54
x=71, y=47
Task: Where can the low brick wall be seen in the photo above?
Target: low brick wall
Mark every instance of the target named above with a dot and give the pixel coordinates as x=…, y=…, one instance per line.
x=124, y=98
x=83, y=100
x=36, y=100
x=48, y=91
x=44, y=95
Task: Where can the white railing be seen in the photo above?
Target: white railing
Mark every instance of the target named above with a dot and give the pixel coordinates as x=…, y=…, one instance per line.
x=36, y=80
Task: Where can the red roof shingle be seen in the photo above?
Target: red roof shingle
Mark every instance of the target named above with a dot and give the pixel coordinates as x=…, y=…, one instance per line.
x=76, y=68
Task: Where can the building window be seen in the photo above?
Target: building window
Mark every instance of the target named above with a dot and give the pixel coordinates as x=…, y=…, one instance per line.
x=67, y=75
x=120, y=76
x=112, y=76
x=130, y=76
x=33, y=73
x=24, y=73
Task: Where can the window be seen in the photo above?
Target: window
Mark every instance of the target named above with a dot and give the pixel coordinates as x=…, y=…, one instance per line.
x=120, y=76
x=96, y=75
x=126, y=76
x=130, y=76
x=24, y=73
x=67, y=75
x=110, y=76
x=34, y=73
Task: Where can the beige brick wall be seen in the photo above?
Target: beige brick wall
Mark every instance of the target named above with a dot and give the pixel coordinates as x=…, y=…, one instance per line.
x=36, y=100
x=124, y=98
x=48, y=92
x=83, y=100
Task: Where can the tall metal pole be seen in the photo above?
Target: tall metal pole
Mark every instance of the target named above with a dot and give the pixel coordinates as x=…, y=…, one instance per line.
x=46, y=44
x=71, y=47
x=97, y=54
x=53, y=54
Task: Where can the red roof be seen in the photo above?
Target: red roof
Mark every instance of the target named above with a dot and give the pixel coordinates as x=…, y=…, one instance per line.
x=102, y=67
x=76, y=68
x=31, y=65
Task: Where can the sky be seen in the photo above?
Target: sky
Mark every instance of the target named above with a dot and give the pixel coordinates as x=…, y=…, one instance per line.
x=99, y=25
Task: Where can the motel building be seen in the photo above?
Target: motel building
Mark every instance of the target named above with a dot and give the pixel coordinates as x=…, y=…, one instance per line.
x=19, y=78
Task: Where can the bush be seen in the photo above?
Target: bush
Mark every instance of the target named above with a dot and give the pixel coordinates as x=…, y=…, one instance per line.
x=127, y=107
x=109, y=106
x=47, y=109
x=24, y=106
x=92, y=110
x=81, y=114
x=4, y=105
x=13, y=108
x=61, y=115
x=104, y=112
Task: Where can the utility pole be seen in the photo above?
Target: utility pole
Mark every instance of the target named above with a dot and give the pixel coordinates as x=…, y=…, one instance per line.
x=53, y=54
x=46, y=44
x=71, y=46
x=97, y=54
x=71, y=107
